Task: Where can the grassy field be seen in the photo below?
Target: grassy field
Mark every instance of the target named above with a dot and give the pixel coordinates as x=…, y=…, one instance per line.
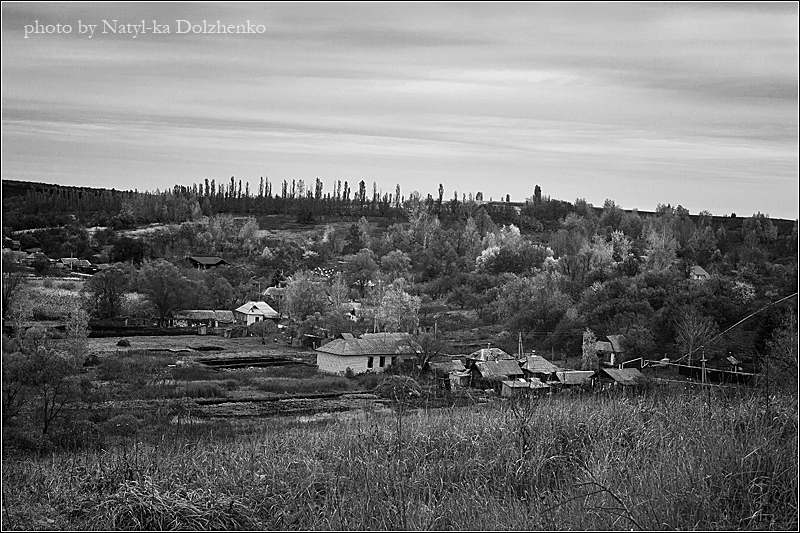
x=666, y=460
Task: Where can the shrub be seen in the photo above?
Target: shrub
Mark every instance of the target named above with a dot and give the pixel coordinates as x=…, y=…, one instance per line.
x=203, y=389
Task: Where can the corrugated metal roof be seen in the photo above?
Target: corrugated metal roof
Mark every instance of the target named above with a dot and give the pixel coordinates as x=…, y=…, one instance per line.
x=258, y=308
x=617, y=342
x=625, y=376
x=574, y=377
x=539, y=365
x=490, y=354
x=371, y=346
x=499, y=369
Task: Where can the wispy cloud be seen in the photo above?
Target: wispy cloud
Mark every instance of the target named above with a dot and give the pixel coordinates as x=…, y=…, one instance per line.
x=683, y=103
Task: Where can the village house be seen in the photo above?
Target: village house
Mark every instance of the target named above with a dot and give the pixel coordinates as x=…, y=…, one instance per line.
x=204, y=262
x=612, y=351
x=203, y=317
x=253, y=312
x=373, y=352
x=537, y=367
x=621, y=377
x=491, y=374
x=444, y=368
x=520, y=387
x=699, y=273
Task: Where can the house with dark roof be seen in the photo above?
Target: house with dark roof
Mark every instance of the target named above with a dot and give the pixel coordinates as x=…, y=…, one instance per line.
x=491, y=374
x=536, y=366
x=203, y=317
x=612, y=351
x=518, y=388
x=204, y=262
x=622, y=377
x=373, y=352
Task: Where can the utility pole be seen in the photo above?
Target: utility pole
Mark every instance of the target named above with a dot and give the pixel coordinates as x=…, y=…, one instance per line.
x=704, y=378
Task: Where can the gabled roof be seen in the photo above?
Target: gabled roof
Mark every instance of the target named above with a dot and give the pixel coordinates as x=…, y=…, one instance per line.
x=617, y=342
x=574, y=377
x=625, y=376
x=699, y=271
x=207, y=260
x=603, y=346
x=376, y=344
x=490, y=354
x=539, y=365
x=257, y=308
x=503, y=368
x=223, y=315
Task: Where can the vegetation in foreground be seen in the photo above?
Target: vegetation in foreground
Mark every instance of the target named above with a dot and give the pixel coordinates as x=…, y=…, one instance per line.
x=667, y=460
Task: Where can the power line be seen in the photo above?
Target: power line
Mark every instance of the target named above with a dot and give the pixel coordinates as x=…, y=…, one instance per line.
x=733, y=326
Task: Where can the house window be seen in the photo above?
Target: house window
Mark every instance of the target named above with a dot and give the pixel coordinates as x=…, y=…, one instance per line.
x=369, y=362
x=383, y=361
x=257, y=318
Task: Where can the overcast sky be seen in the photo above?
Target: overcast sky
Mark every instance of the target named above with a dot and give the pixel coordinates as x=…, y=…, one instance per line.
x=687, y=103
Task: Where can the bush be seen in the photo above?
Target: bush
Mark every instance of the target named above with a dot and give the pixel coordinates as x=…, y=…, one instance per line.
x=204, y=390
x=67, y=285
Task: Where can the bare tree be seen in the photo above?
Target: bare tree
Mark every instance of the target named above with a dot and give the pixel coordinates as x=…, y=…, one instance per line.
x=693, y=330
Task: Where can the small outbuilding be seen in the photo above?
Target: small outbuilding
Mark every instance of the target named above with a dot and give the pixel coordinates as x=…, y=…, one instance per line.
x=575, y=378
x=623, y=377
x=491, y=374
x=535, y=366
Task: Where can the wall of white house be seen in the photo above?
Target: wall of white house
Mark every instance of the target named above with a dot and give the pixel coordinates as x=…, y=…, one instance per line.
x=338, y=364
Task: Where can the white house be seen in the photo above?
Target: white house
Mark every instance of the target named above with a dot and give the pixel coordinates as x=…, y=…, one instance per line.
x=371, y=353
x=253, y=312
x=699, y=272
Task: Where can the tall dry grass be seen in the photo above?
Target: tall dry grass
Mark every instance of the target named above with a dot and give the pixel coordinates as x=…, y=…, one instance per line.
x=664, y=461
